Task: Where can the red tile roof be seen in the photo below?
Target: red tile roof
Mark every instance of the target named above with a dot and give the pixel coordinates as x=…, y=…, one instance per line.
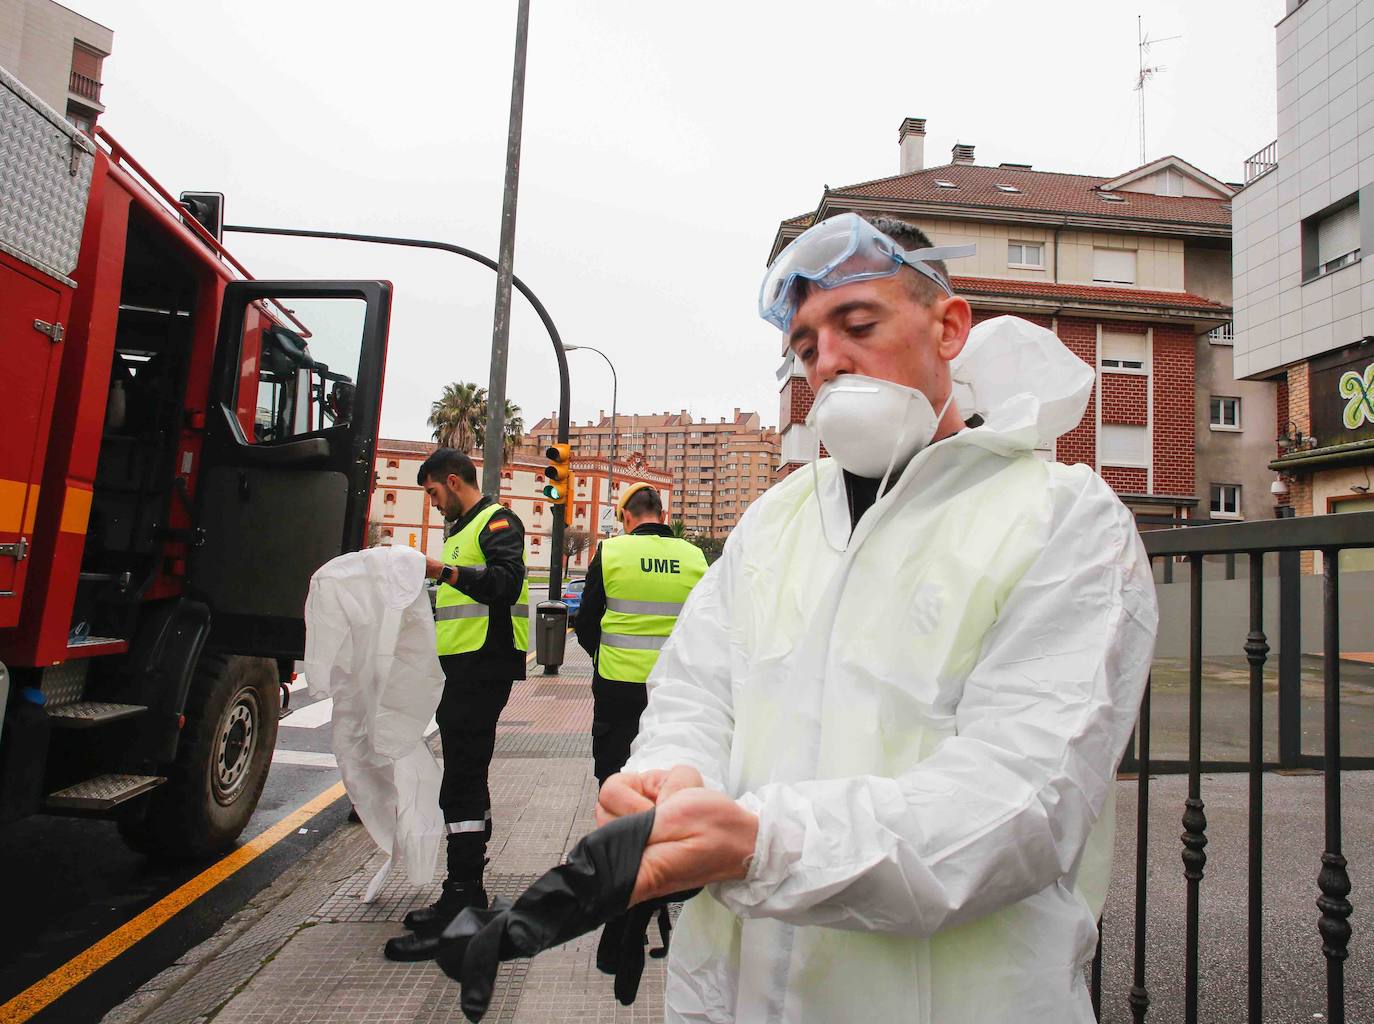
x=1040, y=191
x=971, y=286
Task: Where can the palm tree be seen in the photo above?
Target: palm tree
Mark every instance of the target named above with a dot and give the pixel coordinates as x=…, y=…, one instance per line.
x=458, y=415
x=514, y=429
x=679, y=529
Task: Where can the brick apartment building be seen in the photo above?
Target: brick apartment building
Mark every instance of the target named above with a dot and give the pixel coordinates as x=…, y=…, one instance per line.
x=58, y=54
x=403, y=515
x=717, y=467
x=1133, y=273
x=1304, y=292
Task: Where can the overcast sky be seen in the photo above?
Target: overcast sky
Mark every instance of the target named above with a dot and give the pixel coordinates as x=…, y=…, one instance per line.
x=662, y=145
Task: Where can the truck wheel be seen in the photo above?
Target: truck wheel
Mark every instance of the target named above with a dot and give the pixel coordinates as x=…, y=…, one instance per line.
x=222, y=760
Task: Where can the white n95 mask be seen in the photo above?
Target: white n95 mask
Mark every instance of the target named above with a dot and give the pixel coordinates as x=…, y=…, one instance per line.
x=870, y=426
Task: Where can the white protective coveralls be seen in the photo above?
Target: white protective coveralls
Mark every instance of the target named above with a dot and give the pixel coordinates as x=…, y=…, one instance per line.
x=926, y=716
x=369, y=644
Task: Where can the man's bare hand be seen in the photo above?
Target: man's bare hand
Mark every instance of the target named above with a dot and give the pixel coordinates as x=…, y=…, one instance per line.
x=627, y=793
x=631, y=792
x=700, y=836
x=432, y=568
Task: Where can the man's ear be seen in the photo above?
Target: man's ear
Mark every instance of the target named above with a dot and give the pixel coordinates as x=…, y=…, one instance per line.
x=956, y=319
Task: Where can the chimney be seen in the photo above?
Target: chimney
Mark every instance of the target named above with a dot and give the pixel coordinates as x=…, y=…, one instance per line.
x=911, y=141
x=961, y=154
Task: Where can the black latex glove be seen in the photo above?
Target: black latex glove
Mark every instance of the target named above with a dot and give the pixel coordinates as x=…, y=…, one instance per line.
x=577, y=897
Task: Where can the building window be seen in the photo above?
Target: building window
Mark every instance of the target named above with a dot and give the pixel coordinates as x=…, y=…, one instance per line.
x=1225, y=413
x=582, y=511
x=536, y=540
x=1226, y=501
x=393, y=463
x=1123, y=351
x=1114, y=266
x=539, y=508
x=1331, y=239
x=1026, y=254
x=1121, y=445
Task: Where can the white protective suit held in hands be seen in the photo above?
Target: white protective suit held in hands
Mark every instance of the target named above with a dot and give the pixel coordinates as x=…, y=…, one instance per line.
x=926, y=716
x=369, y=644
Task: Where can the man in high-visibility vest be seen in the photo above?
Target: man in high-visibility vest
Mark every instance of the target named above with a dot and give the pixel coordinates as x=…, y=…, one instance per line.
x=482, y=632
x=636, y=585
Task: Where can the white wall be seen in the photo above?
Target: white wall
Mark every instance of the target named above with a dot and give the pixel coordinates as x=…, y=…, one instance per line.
x=1325, y=53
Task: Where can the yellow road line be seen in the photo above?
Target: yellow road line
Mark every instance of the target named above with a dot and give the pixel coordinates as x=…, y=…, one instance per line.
x=84, y=964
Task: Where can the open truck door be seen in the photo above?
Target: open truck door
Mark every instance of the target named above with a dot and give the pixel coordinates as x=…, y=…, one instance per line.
x=287, y=465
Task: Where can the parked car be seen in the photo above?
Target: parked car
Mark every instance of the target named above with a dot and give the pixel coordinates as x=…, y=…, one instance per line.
x=572, y=597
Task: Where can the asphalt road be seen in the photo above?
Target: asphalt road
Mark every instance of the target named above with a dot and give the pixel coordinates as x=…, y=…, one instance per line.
x=68, y=883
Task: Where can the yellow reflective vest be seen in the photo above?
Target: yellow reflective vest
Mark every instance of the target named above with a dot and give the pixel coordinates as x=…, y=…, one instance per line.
x=460, y=623
x=647, y=579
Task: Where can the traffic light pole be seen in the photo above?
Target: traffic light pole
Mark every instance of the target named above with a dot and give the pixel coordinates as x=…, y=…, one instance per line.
x=564, y=416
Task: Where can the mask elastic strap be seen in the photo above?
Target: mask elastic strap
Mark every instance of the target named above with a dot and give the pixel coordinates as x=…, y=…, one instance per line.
x=901, y=439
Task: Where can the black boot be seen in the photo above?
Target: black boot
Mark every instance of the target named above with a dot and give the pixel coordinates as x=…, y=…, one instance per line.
x=452, y=899
x=429, y=922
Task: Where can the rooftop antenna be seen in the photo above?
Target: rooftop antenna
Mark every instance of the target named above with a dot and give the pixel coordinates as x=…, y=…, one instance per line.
x=1143, y=44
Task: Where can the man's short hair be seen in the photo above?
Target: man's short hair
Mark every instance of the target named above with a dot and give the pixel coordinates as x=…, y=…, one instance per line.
x=445, y=462
x=909, y=236
x=644, y=502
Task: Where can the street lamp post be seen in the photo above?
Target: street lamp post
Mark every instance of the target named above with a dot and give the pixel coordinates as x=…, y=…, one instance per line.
x=610, y=470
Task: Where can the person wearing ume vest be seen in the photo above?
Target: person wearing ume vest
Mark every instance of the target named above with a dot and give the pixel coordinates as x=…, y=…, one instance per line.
x=482, y=633
x=636, y=586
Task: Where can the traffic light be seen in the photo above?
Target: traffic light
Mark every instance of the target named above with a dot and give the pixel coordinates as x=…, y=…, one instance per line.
x=559, y=489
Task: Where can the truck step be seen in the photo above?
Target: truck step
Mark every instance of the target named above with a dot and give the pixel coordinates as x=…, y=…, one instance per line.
x=103, y=792
x=86, y=714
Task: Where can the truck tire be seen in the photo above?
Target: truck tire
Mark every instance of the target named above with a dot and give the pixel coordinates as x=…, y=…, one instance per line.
x=222, y=759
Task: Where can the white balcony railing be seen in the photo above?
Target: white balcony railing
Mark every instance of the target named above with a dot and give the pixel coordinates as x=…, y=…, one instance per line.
x=1262, y=162
x=1223, y=335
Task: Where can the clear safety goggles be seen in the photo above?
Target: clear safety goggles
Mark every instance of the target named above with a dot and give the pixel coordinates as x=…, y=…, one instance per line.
x=840, y=251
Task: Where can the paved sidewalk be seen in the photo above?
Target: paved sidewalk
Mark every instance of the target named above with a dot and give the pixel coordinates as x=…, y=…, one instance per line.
x=305, y=951
x=308, y=951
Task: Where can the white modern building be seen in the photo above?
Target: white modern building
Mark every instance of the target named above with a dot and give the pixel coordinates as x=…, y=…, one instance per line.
x=1303, y=293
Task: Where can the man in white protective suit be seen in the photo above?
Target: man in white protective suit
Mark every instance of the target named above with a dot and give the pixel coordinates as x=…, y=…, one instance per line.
x=885, y=729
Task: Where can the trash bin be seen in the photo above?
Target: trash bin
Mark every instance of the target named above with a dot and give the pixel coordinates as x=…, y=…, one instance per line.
x=550, y=633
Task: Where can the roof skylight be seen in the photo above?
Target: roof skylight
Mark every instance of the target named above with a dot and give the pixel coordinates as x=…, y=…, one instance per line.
x=1001, y=187
x=1107, y=198
x=941, y=183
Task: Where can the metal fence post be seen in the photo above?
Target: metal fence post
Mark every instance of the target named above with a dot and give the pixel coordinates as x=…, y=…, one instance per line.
x=1290, y=658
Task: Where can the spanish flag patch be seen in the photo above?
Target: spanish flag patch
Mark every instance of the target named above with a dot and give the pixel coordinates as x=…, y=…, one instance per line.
x=497, y=524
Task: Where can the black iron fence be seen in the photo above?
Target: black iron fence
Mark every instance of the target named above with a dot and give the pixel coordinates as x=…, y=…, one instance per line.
x=1288, y=538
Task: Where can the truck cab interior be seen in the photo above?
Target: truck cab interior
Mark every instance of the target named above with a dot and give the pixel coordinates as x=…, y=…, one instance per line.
x=136, y=480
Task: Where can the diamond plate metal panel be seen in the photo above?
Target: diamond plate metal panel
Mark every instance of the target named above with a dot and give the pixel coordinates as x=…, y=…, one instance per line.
x=104, y=791
x=45, y=179
x=65, y=683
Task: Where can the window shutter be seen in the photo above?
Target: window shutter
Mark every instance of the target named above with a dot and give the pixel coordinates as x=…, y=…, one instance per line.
x=86, y=61
x=1120, y=445
x=1338, y=234
x=1114, y=266
x=1129, y=348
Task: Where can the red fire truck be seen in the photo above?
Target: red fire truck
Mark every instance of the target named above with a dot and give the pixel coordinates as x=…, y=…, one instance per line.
x=181, y=447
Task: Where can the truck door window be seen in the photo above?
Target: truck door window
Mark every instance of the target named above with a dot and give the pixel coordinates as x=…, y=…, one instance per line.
x=297, y=367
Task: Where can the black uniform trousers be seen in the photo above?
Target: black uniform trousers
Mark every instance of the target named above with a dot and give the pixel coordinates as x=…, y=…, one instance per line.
x=615, y=724
x=467, y=716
